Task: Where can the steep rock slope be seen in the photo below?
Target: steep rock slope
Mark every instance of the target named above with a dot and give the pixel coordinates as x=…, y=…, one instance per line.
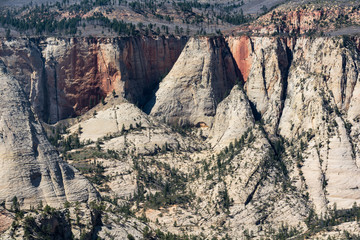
x=321, y=86
x=242, y=49
x=280, y=146
x=250, y=175
x=31, y=168
x=233, y=118
x=275, y=148
x=23, y=61
x=201, y=78
x=264, y=63
x=66, y=77
x=267, y=79
x=309, y=88
x=304, y=93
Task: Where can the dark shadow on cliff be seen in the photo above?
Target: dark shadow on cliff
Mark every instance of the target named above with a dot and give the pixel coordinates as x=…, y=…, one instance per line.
x=150, y=95
x=150, y=98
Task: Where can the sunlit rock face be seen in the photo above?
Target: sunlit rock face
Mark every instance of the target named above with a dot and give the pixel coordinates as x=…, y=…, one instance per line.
x=31, y=168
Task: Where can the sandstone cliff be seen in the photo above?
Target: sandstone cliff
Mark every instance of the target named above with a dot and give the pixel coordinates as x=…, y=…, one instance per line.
x=201, y=78
x=31, y=168
x=264, y=62
x=303, y=94
x=280, y=146
x=66, y=77
x=233, y=118
x=321, y=87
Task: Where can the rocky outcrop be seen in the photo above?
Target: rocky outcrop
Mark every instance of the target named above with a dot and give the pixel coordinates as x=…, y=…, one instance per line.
x=295, y=88
x=264, y=64
x=146, y=61
x=321, y=87
x=126, y=128
x=201, y=78
x=233, y=118
x=66, y=77
x=267, y=80
x=275, y=146
x=300, y=17
x=31, y=168
x=23, y=61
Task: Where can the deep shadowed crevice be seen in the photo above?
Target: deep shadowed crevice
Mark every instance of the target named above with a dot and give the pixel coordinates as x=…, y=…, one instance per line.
x=230, y=73
x=255, y=112
x=251, y=195
x=227, y=64
x=35, y=179
x=149, y=95
x=285, y=76
x=151, y=102
x=285, y=73
x=56, y=93
x=239, y=75
x=139, y=88
x=46, y=106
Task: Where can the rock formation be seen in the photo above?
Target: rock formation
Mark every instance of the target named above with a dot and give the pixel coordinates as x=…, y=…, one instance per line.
x=233, y=118
x=31, y=168
x=201, y=78
x=296, y=18
x=66, y=77
x=321, y=86
x=264, y=63
x=269, y=132
x=241, y=49
x=129, y=129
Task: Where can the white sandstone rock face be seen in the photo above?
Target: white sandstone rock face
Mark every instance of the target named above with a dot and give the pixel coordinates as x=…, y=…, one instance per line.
x=243, y=174
x=267, y=79
x=322, y=77
x=143, y=134
x=233, y=117
x=200, y=79
x=320, y=85
x=31, y=169
x=110, y=121
x=334, y=60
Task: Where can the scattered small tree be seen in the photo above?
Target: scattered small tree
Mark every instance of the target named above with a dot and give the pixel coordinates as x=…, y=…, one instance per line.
x=15, y=204
x=98, y=147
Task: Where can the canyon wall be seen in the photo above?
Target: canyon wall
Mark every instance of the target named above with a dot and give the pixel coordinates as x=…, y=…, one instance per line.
x=294, y=19
x=31, y=168
x=309, y=87
x=302, y=92
x=201, y=78
x=65, y=77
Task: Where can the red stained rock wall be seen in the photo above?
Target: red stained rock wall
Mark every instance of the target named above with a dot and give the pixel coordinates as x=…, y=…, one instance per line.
x=66, y=77
x=241, y=48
